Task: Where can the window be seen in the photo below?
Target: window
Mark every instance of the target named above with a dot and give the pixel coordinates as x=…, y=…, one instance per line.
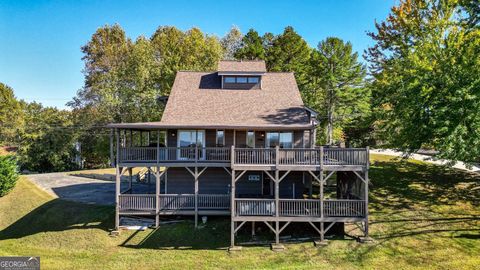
x=252, y=79
x=241, y=79
x=286, y=140
x=272, y=139
x=282, y=139
x=220, y=138
x=229, y=79
x=190, y=138
x=251, y=139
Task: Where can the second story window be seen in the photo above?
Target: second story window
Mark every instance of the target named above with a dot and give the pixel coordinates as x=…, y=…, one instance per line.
x=229, y=79
x=241, y=79
x=252, y=79
x=282, y=139
x=220, y=138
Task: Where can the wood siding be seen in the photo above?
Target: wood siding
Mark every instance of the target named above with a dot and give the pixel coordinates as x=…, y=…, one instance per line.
x=217, y=181
x=300, y=138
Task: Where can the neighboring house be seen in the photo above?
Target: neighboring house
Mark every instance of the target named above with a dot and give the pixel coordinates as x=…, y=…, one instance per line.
x=239, y=142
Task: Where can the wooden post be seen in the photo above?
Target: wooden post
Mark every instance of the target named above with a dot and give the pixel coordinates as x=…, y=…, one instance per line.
x=158, y=147
x=157, y=197
x=130, y=175
x=112, y=159
x=277, y=204
x=321, y=158
x=366, y=203
x=322, y=231
x=366, y=192
x=277, y=156
x=232, y=208
x=196, y=196
x=117, y=185
x=232, y=156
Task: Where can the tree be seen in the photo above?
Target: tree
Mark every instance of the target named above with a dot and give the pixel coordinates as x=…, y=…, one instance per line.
x=8, y=174
x=251, y=48
x=11, y=116
x=231, y=42
x=336, y=83
x=175, y=50
x=49, y=140
x=425, y=64
x=105, y=57
x=289, y=53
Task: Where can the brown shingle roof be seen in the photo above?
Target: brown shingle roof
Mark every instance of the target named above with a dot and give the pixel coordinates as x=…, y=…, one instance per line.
x=242, y=66
x=197, y=99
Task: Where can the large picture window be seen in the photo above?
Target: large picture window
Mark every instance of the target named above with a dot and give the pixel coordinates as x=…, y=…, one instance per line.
x=282, y=139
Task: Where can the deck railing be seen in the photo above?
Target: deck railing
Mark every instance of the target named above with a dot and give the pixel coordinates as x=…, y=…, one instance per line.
x=299, y=156
x=344, y=208
x=213, y=201
x=345, y=156
x=247, y=156
x=243, y=206
x=254, y=207
x=137, y=202
x=177, y=201
x=299, y=207
x=187, y=201
x=254, y=156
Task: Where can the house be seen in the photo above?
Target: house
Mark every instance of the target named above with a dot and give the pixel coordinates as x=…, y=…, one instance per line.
x=239, y=142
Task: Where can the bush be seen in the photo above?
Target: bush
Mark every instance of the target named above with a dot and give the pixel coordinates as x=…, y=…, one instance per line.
x=8, y=174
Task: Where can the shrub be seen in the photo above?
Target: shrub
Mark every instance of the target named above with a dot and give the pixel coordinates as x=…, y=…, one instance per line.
x=8, y=174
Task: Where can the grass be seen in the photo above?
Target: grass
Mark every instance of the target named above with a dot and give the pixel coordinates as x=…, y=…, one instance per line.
x=422, y=217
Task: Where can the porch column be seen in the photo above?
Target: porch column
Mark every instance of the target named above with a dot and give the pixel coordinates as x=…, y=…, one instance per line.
x=130, y=178
x=277, y=204
x=366, y=192
x=322, y=232
x=232, y=209
x=157, y=197
x=117, y=185
x=196, y=197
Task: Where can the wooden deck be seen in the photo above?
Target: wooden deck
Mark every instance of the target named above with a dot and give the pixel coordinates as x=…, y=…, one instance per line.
x=247, y=158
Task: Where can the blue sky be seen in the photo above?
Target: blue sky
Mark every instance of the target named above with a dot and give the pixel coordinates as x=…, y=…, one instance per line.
x=40, y=41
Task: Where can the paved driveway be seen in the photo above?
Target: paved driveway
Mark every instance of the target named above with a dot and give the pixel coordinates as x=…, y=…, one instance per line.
x=82, y=189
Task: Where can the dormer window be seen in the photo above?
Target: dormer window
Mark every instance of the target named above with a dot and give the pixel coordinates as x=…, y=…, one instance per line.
x=253, y=80
x=230, y=80
x=241, y=79
x=241, y=82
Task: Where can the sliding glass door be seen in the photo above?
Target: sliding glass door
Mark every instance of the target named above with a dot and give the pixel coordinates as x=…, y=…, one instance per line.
x=187, y=140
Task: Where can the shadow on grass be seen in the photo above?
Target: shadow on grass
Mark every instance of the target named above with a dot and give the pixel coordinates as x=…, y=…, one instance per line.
x=412, y=203
x=402, y=185
x=60, y=215
x=215, y=235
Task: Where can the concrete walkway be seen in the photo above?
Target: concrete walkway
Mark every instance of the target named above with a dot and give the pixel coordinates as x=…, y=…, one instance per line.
x=429, y=159
x=82, y=189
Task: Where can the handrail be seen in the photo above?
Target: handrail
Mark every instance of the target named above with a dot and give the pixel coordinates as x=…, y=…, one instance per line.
x=320, y=156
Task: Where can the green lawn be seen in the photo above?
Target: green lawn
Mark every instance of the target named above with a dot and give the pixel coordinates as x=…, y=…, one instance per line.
x=422, y=216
